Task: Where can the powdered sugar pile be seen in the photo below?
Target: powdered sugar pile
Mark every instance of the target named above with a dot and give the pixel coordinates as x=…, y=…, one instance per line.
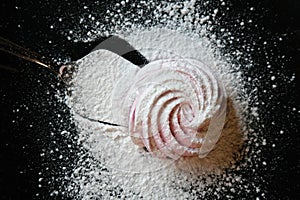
x=110, y=166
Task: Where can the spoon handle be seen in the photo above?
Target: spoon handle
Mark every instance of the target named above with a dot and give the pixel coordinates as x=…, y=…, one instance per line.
x=21, y=52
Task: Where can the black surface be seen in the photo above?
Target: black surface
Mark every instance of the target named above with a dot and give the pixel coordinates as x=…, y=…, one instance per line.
x=26, y=125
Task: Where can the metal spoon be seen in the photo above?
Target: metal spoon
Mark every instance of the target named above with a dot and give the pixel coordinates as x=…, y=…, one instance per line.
x=113, y=43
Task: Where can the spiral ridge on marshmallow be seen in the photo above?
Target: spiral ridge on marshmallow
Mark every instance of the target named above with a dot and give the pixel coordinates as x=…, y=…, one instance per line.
x=175, y=108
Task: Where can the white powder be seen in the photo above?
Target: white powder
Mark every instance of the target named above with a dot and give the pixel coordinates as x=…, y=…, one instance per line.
x=128, y=166
x=93, y=98
x=111, y=165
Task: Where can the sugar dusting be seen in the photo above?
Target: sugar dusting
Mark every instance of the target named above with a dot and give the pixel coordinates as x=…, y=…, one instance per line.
x=107, y=166
x=131, y=168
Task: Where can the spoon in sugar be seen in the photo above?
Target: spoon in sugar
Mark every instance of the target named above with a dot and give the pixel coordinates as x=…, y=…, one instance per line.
x=113, y=44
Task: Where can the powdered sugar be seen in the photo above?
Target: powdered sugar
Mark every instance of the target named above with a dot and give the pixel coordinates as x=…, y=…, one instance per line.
x=111, y=166
x=127, y=164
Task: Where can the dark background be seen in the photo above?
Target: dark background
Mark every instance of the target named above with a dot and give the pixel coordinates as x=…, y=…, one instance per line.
x=31, y=117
